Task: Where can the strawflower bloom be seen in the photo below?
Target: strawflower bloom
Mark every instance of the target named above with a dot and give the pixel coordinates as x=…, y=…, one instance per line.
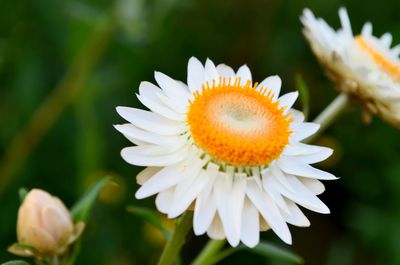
x=363, y=66
x=229, y=149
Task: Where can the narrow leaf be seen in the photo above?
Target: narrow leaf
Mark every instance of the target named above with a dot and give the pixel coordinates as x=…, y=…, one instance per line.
x=22, y=193
x=81, y=209
x=304, y=94
x=80, y=213
x=15, y=262
x=272, y=251
x=149, y=216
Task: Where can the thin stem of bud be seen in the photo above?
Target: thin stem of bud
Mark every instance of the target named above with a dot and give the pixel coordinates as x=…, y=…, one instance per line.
x=55, y=260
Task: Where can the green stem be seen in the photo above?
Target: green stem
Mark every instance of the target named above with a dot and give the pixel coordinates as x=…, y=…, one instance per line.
x=208, y=252
x=177, y=239
x=330, y=114
x=55, y=261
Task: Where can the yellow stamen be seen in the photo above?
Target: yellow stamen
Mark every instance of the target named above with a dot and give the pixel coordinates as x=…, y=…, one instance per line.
x=386, y=64
x=238, y=124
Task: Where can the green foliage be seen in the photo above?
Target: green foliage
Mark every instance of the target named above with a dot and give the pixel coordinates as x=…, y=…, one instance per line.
x=15, y=262
x=265, y=249
x=304, y=92
x=80, y=211
x=22, y=193
x=149, y=215
x=272, y=251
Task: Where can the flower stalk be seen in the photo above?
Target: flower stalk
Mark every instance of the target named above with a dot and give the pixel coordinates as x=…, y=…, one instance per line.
x=212, y=248
x=177, y=239
x=330, y=114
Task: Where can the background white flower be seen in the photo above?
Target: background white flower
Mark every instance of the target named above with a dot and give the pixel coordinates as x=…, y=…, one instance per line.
x=364, y=66
x=228, y=147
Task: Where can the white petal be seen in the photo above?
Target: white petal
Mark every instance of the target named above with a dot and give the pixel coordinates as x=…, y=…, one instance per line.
x=132, y=131
x=303, y=130
x=296, y=149
x=268, y=210
x=367, y=29
x=269, y=187
x=150, y=121
x=263, y=224
x=314, y=185
x=155, y=99
x=345, y=21
x=132, y=155
x=225, y=71
x=296, y=216
x=280, y=176
x=211, y=73
x=175, y=90
x=204, y=210
x=295, y=167
x=164, y=200
x=396, y=50
x=244, y=74
x=238, y=195
x=216, y=231
x=222, y=190
x=303, y=196
x=386, y=39
x=146, y=174
x=288, y=100
x=187, y=191
x=250, y=234
x=158, y=107
x=149, y=90
x=323, y=154
x=235, y=200
x=272, y=83
x=297, y=116
x=255, y=173
x=162, y=180
x=195, y=77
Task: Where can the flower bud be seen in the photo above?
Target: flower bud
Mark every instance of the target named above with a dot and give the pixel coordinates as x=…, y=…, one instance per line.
x=44, y=223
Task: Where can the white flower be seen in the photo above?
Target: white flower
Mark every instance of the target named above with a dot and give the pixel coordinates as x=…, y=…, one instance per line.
x=364, y=66
x=229, y=148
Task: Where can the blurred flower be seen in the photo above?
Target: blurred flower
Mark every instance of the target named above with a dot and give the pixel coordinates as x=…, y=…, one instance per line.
x=45, y=225
x=230, y=147
x=364, y=66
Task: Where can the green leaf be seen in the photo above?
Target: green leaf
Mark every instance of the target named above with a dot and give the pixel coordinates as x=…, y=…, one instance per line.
x=304, y=94
x=15, y=262
x=23, y=250
x=22, y=193
x=80, y=211
x=272, y=251
x=150, y=216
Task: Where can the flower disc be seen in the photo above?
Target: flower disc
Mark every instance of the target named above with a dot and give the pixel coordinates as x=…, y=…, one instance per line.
x=238, y=124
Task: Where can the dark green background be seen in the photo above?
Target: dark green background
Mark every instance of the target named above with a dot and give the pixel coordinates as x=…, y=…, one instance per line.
x=39, y=41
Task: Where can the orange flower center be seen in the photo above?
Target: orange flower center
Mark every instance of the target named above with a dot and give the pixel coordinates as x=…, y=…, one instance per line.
x=390, y=67
x=238, y=124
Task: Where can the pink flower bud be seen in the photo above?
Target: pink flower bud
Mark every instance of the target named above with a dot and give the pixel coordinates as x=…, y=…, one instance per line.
x=44, y=223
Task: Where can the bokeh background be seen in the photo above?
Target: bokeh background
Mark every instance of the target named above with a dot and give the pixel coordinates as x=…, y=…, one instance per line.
x=65, y=65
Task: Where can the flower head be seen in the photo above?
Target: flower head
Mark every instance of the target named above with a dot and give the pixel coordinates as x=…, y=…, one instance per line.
x=44, y=223
x=228, y=147
x=364, y=66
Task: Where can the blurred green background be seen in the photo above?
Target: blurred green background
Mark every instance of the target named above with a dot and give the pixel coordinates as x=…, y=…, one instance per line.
x=66, y=65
